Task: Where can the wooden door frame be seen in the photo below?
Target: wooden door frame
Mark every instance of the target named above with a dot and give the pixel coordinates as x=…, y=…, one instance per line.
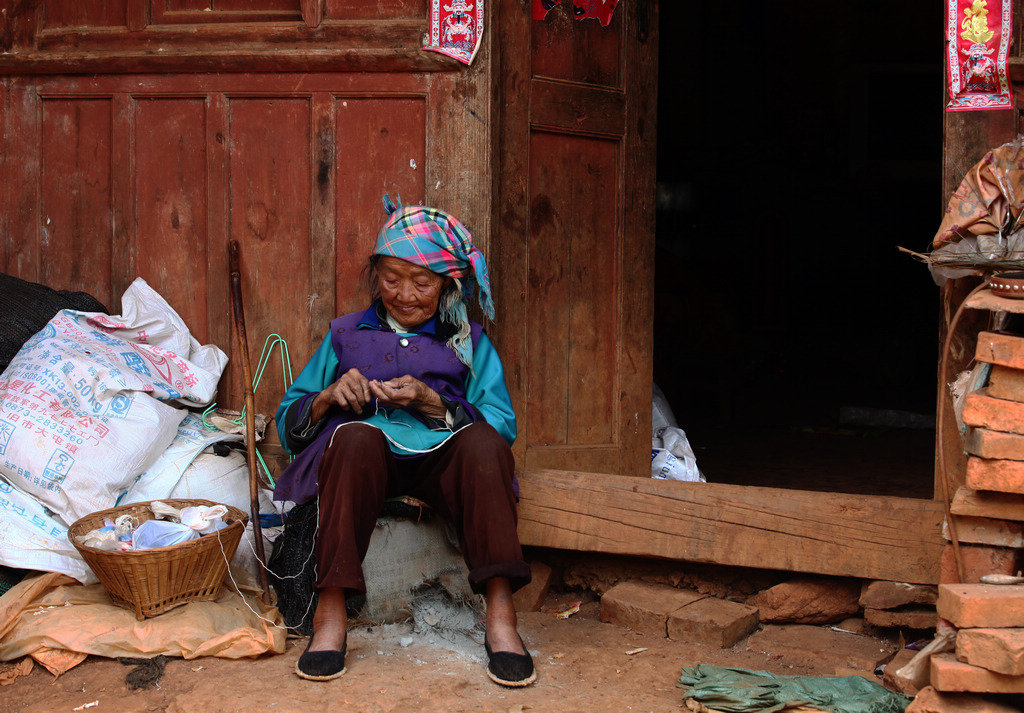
x=871, y=537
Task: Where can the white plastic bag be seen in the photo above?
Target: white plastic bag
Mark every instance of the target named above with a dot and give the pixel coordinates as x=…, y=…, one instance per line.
x=676, y=461
x=204, y=519
x=162, y=533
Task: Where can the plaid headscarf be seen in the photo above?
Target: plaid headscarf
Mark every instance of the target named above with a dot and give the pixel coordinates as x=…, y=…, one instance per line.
x=437, y=241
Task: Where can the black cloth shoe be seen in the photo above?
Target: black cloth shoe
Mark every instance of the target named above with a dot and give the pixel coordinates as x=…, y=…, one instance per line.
x=321, y=665
x=508, y=669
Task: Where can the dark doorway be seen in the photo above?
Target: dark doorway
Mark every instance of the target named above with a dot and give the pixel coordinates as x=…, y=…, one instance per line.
x=798, y=145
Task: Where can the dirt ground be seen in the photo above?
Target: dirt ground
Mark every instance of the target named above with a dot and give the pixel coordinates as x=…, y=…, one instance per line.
x=582, y=663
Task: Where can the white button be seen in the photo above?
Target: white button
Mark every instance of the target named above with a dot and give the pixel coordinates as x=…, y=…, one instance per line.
x=404, y=342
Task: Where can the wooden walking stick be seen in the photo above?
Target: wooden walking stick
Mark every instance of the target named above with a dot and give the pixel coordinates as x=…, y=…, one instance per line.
x=250, y=412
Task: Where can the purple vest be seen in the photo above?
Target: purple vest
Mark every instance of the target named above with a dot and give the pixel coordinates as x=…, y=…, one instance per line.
x=379, y=354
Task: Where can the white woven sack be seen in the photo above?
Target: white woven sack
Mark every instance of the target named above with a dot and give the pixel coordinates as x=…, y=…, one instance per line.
x=161, y=480
x=82, y=409
x=32, y=538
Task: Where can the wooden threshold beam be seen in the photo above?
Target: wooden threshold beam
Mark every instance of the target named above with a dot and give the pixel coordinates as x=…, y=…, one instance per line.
x=872, y=537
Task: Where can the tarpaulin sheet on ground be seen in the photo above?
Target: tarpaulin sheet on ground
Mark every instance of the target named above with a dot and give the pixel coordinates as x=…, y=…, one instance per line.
x=59, y=622
x=740, y=690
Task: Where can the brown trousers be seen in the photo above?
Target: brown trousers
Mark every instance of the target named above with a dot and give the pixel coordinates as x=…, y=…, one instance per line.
x=467, y=480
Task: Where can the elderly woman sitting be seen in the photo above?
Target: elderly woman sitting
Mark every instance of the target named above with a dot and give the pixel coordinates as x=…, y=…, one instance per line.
x=409, y=398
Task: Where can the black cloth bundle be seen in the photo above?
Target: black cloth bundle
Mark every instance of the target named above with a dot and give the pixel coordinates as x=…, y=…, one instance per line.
x=26, y=307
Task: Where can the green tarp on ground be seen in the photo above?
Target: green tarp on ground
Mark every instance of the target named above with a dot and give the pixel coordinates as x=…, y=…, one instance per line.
x=740, y=690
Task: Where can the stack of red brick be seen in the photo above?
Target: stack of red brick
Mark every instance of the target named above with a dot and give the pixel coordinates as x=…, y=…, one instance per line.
x=989, y=509
x=989, y=517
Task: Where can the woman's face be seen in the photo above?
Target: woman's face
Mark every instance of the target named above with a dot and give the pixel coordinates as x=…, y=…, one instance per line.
x=410, y=293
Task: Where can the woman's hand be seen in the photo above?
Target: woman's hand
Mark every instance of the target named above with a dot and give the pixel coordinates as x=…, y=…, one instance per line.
x=350, y=392
x=409, y=392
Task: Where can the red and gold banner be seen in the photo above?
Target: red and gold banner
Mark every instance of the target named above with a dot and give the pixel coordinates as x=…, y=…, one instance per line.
x=456, y=28
x=978, y=42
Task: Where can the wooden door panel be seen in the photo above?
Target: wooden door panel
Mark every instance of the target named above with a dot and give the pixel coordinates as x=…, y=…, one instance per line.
x=586, y=52
x=838, y=534
x=270, y=188
x=381, y=149
x=75, y=194
x=61, y=13
x=577, y=108
x=382, y=9
x=584, y=373
x=210, y=6
x=573, y=291
x=171, y=241
x=217, y=11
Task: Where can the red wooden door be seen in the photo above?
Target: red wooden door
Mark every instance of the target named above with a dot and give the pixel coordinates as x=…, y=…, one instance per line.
x=575, y=234
x=139, y=138
x=153, y=182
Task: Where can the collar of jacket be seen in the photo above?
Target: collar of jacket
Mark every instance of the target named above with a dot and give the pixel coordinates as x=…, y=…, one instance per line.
x=376, y=318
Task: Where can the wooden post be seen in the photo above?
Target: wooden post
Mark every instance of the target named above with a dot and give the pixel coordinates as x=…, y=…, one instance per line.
x=250, y=420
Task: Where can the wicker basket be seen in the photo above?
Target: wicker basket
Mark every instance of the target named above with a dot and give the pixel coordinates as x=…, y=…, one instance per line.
x=150, y=582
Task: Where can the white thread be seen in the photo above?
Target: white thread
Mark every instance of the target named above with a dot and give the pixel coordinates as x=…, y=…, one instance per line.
x=316, y=531
x=392, y=440
x=238, y=590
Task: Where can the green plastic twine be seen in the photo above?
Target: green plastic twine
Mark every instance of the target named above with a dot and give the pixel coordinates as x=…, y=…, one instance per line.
x=271, y=341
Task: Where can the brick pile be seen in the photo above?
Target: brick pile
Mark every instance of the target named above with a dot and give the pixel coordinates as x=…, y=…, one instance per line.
x=989, y=655
x=987, y=619
x=989, y=508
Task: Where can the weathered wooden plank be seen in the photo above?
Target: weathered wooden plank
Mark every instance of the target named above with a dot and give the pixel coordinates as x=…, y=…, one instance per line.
x=318, y=308
x=19, y=26
x=202, y=11
x=21, y=179
x=217, y=140
x=335, y=59
x=510, y=148
x=138, y=16
x=981, y=503
x=110, y=13
x=577, y=108
x=638, y=188
x=968, y=136
x=267, y=36
x=6, y=193
x=458, y=176
x=884, y=538
x=125, y=223
x=549, y=290
x=247, y=84
x=312, y=12
x=595, y=285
